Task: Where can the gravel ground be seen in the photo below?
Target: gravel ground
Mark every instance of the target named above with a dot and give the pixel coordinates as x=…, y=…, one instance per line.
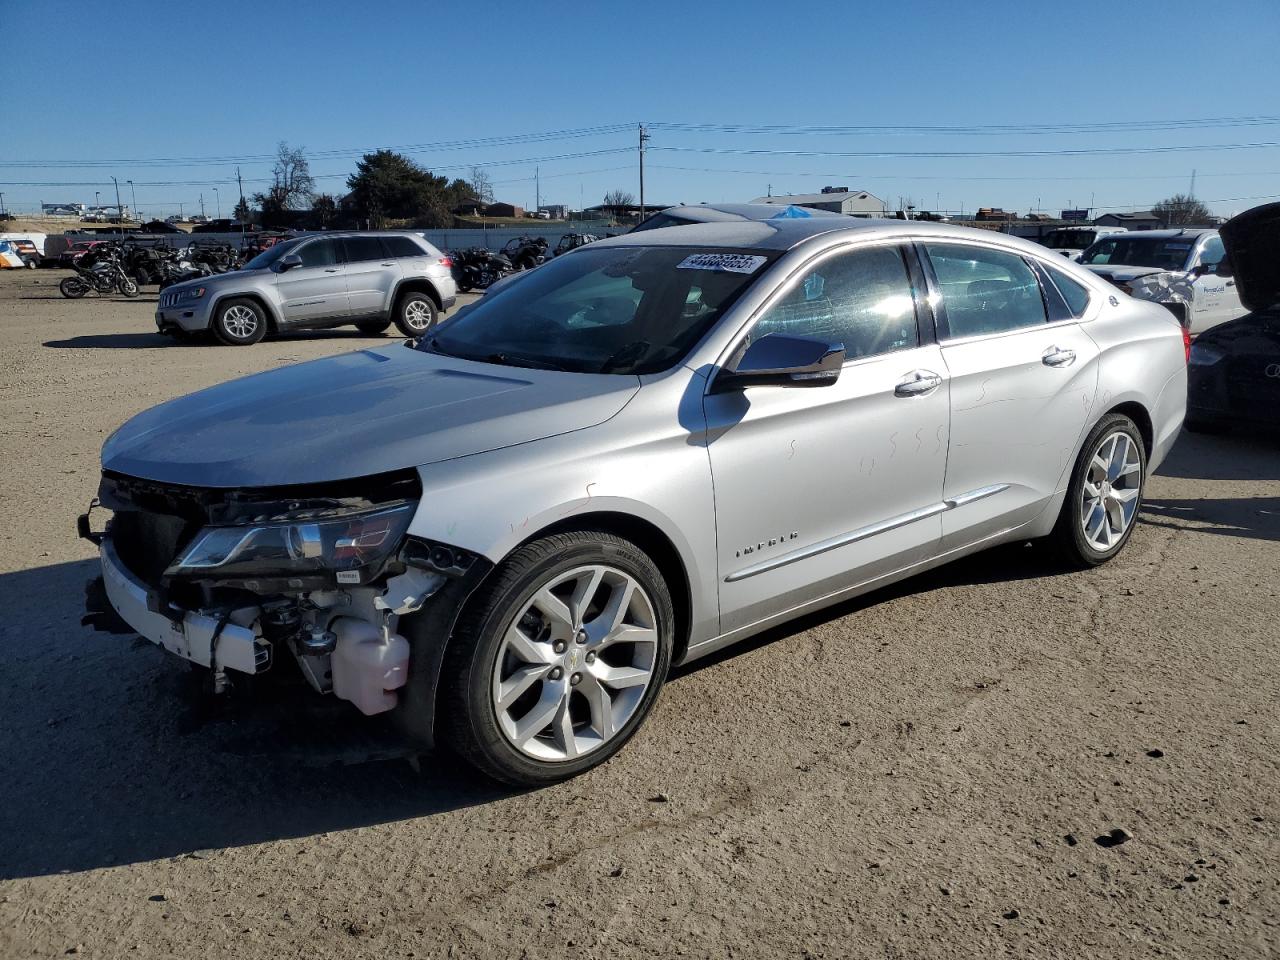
x=931, y=771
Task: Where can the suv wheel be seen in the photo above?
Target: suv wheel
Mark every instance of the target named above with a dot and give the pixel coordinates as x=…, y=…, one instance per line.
x=1105, y=493
x=415, y=314
x=239, y=322
x=555, y=665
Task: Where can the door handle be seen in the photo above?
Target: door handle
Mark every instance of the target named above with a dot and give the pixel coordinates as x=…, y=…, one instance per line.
x=918, y=383
x=1057, y=357
x=330, y=269
x=1231, y=283
x=388, y=264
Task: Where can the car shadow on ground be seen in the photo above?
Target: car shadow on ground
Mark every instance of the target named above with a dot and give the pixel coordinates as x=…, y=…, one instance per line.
x=114, y=755
x=156, y=341
x=1229, y=456
x=1254, y=518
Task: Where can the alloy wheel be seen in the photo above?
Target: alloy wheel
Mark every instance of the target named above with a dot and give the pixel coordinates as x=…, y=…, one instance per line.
x=575, y=663
x=417, y=314
x=240, y=322
x=1111, y=490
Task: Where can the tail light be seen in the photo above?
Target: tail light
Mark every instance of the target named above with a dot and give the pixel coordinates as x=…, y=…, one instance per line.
x=446, y=261
x=1186, y=341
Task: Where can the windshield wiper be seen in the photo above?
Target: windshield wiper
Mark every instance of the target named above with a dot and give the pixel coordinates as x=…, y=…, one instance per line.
x=515, y=360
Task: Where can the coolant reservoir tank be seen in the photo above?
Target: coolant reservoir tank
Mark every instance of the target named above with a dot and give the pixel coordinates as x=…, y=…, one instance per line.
x=368, y=669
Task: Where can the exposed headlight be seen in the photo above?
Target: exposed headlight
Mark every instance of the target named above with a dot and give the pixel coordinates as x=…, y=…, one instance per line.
x=191, y=293
x=1203, y=355
x=352, y=546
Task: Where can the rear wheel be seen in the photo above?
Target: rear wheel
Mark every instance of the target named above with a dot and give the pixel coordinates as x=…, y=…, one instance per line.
x=239, y=323
x=73, y=288
x=373, y=328
x=560, y=659
x=415, y=314
x=1105, y=493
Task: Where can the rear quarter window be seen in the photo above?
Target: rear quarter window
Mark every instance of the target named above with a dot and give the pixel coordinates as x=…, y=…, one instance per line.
x=1075, y=293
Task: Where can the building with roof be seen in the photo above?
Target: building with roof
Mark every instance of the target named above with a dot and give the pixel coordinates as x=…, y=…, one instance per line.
x=855, y=203
x=1138, y=220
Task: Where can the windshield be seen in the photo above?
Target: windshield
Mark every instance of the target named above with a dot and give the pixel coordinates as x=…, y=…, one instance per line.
x=270, y=255
x=1068, y=239
x=1166, y=253
x=625, y=310
x=659, y=220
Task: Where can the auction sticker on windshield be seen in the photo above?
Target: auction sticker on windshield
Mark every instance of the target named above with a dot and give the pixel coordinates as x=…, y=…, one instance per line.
x=722, y=262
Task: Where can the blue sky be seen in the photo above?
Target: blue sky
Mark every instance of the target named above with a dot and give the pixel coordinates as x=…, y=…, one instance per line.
x=221, y=78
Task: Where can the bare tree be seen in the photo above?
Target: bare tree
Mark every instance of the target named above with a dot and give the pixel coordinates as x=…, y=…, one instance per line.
x=617, y=201
x=1180, y=210
x=481, y=183
x=292, y=185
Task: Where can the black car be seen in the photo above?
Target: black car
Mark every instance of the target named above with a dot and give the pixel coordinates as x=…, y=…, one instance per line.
x=1234, y=372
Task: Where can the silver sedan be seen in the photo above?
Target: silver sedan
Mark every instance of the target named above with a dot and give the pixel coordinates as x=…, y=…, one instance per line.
x=650, y=448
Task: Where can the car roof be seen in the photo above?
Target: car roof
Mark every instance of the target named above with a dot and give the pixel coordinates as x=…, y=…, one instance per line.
x=711, y=212
x=1193, y=233
x=784, y=234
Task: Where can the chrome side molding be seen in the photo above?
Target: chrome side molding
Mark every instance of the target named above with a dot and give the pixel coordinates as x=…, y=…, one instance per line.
x=863, y=533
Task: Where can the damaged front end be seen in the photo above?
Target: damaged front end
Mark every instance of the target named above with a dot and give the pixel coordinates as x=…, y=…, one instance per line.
x=231, y=579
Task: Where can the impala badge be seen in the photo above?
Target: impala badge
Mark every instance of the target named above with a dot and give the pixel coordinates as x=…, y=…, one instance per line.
x=765, y=544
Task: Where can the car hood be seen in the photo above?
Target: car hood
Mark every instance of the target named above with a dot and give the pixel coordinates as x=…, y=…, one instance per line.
x=1120, y=273
x=1252, y=242
x=354, y=415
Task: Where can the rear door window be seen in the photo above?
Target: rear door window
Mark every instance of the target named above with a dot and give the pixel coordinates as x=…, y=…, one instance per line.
x=363, y=248
x=985, y=291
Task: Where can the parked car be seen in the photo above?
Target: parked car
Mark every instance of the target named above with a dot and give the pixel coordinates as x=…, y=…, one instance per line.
x=1176, y=268
x=370, y=280
x=507, y=533
x=1235, y=367
x=1072, y=241
x=572, y=241
x=726, y=212
x=69, y=257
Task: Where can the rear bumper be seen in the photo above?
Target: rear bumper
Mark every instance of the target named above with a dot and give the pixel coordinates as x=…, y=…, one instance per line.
x=185, y=633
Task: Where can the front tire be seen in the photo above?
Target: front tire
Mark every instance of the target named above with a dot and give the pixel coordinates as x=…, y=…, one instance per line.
x=415, y=314
x=128, y=287
x=239, y=322
x=1105, y=493
x=557, y=662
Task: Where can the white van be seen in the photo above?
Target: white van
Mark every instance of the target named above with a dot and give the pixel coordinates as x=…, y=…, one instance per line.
x=1071, y=241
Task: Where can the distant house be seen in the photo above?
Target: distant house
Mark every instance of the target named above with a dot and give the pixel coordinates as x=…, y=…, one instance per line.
x=855, y=203
x=995, y=214
x=473, y=207
x=503, y=210
x=1138, y=220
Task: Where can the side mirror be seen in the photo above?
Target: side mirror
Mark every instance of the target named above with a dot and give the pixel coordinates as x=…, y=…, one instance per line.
x=783, y=361
x=1222, y=268
x=288, y=262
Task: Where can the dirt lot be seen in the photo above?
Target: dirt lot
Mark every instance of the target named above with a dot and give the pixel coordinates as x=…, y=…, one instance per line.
x=923, y=773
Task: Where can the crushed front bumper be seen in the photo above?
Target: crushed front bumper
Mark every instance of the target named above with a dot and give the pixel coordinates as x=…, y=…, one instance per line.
x=189, y=634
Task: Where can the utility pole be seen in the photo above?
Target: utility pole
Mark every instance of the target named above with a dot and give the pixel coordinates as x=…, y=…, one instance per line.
x=119, y=206
x=768, y=189
x=134, y=194
x=218, y=197
x=537, y=189
x=202, y=205
x=1192, y=191
x=644, y=136
x=1, y=203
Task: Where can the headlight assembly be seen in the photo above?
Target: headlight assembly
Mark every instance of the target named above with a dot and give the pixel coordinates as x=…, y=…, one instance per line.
x=352, y=546
x=191, y=293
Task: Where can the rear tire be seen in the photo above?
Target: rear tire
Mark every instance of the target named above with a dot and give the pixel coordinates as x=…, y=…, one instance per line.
x=239, y=322
x=73, y=288
x=415, y=314
x=1105, y=494
x=575, y=631
x=373, y=328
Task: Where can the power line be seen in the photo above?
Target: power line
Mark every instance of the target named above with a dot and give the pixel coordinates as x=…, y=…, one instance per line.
x=996, y=179
x=1020, y=129
x=952, y=154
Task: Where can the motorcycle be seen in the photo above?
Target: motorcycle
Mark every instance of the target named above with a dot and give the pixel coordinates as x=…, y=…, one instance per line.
x=478, y=268
x=99, y=270
x=525, y=253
